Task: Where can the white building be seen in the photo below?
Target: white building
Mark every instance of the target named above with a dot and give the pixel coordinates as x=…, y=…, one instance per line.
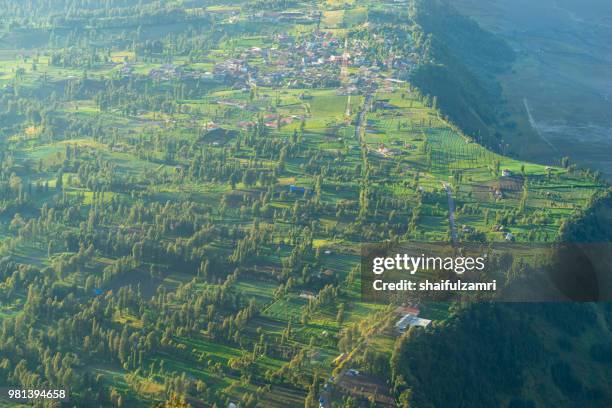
x=409, y=320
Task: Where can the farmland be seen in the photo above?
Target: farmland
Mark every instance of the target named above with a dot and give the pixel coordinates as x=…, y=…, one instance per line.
x=184, y=193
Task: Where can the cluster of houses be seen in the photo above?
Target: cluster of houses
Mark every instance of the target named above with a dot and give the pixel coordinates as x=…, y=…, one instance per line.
x=385, y=151
x=316, y=59
x=237, y=68
x=508, y=236
x=166, y=72
x=311, y=60
x=388, y=152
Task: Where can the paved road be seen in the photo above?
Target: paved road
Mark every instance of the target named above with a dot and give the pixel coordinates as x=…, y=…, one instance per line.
x=451, y=213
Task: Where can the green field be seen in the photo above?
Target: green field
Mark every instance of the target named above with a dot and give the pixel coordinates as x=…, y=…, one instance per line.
x=185, y=192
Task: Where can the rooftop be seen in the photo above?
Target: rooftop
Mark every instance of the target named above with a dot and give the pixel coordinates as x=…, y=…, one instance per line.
x=409, y=320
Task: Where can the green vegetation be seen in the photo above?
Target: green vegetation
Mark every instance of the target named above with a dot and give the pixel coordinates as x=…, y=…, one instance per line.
x=185, y=188
x=492, y=355
x=459, y=64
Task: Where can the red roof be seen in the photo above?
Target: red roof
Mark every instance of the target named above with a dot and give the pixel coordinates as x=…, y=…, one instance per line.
x=408, y=310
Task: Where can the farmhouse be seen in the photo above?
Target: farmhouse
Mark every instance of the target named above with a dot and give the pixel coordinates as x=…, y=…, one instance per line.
x=385, y=151
x=409, y=320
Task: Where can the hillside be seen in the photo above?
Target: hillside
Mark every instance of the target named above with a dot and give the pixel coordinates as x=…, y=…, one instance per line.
x=514, y=355
x=561, y=74
x=459, y=65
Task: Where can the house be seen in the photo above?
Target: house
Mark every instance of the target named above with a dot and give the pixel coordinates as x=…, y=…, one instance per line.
x=307, y=295
x=383, y=150
x=506, y=173
x=119, y=148
x=296, y=189
x=245, y=124
x=409, y=320
x=402, y=310
x=210, y=126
